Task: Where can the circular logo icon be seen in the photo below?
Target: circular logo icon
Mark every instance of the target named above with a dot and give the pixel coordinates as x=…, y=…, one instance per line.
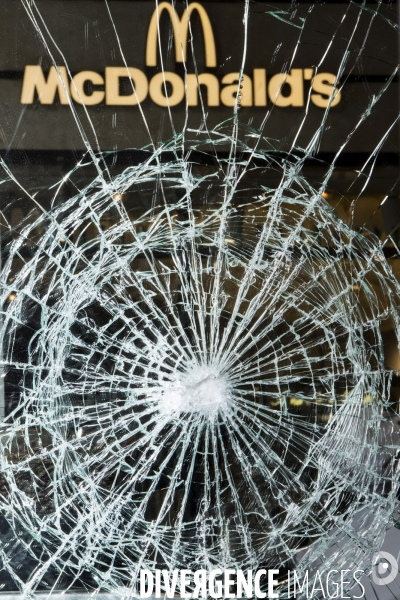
x=385, y=568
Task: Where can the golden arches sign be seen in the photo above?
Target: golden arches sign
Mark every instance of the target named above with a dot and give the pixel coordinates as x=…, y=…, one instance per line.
x=256, y=90
x=180, y=28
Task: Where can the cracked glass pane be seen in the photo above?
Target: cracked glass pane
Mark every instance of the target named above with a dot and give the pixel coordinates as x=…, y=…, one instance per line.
x=200, y=295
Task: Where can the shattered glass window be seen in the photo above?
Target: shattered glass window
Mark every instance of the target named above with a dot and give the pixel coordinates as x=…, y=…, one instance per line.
x=199, y=359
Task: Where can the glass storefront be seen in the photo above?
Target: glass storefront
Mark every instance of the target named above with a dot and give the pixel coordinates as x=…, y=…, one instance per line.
x=200, y=298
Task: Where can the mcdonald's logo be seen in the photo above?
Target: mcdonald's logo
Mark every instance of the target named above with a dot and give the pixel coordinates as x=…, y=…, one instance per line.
x=212, y=89
x=180, y=28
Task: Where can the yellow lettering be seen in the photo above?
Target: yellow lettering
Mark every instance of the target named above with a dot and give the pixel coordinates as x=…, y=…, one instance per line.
x=180, y=29
x=57, y=81
x=295, y=81
x=230, y=92
x=211, y=83
x=140, y=86
x=77, y=89
x=308, y=73
x=260, y=87
x=158, y=86
x=324, y=84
